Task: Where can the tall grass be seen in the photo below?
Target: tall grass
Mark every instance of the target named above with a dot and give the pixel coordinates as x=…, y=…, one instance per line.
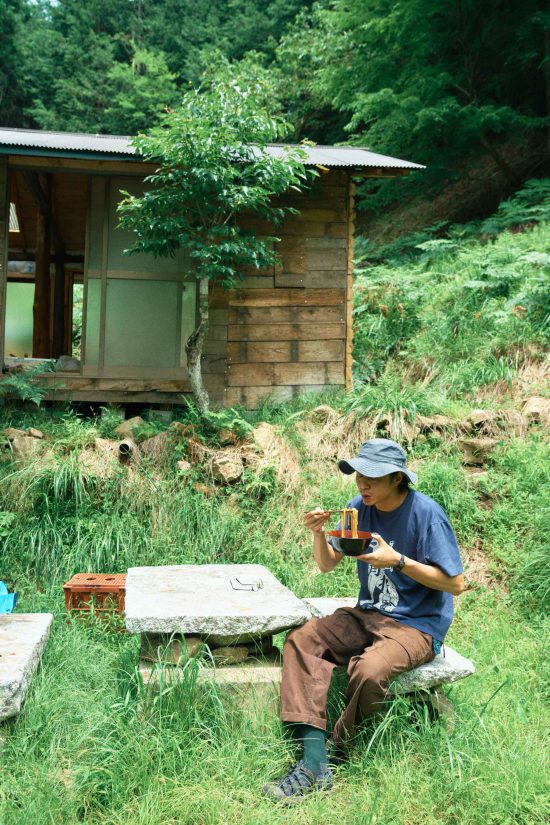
x=89, y=747
x=94, y=744
x=465, y=311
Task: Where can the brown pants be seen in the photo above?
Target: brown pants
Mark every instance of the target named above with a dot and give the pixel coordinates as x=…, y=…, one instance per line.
x=374, y=648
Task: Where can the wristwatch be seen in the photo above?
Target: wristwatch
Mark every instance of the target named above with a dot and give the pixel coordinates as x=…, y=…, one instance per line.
x=401, y=563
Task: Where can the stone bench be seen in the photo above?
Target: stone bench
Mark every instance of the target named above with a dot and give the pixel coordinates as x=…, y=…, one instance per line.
x=446, y=667
x=23, y=637
x=235, y=605
x=255, y=683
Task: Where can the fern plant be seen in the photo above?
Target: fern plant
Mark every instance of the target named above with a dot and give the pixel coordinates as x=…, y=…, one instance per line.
x=26, y=386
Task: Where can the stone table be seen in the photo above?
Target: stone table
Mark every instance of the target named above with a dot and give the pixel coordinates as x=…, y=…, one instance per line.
x=224, y=603
x=23, y=637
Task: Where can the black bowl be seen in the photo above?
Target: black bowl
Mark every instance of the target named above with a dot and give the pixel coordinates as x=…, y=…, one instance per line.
x=349, y=546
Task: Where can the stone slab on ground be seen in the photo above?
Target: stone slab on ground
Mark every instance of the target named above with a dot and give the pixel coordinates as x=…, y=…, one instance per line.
x=23, y=637
x=249, y=690
x=254, y=671
x=253, y=687
x=222, y=602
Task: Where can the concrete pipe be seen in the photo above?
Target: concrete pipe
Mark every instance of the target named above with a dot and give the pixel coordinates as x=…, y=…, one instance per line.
x=126, y=449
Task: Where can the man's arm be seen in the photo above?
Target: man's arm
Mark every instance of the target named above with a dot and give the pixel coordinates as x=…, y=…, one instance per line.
x=427, y=574
x=325, y=556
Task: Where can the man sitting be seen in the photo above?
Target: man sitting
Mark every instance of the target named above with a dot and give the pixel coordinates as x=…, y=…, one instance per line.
x=404, y=610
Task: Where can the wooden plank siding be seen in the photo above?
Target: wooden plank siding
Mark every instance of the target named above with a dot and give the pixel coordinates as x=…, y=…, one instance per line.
x=349, y=287
x=284, y=330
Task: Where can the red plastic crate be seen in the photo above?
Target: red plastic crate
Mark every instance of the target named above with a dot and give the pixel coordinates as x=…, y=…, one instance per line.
x=104, y=592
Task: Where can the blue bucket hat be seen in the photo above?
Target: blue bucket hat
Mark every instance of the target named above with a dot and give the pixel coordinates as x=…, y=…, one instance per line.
x=378, y=457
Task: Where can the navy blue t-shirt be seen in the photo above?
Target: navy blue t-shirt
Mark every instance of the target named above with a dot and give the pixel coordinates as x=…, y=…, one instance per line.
x=418, y=528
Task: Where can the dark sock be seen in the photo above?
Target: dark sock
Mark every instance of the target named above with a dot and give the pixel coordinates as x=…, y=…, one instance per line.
x=315, y=749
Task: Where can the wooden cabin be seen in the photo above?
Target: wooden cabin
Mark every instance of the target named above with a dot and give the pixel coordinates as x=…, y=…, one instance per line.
x=114, y=326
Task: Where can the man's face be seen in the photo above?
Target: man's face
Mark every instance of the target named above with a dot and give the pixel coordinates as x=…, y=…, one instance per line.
x=378, y=491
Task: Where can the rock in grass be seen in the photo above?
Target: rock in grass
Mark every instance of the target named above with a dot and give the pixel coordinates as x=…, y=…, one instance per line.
x=514, y=423
x=226, y=437
x=482, y=420
x=34, y=433
x=25, y=446
x=158, y=446
x=322, y=414
x=12, y=432
x=476, y=450
x=128, y=427
x=230, y=655
x=272, y=450
x=101, y=460
x=226, y=466
x=203, y=489
x=435, y=425
x=158, y=647
x=537, y=409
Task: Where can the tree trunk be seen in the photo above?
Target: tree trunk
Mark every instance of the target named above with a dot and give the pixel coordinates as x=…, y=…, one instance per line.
x=510, y=174
x=193, y=349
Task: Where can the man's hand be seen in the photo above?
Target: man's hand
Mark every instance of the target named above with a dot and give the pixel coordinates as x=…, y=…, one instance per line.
x=383, y=556
x=326, y=556
x=427, y=574
x=316, y=519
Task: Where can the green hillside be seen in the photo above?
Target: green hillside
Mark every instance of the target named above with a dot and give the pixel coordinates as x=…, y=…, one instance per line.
x=451, y=341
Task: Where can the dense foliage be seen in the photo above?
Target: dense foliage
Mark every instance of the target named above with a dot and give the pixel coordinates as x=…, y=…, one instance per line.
x=92, y=744
x=442, y=84
x=446, y=309
x=213, y=170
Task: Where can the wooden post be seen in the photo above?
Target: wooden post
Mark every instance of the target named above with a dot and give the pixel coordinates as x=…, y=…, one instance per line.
x=349, y=288
x=41, y=345
x=60, y=344
x=4, y=243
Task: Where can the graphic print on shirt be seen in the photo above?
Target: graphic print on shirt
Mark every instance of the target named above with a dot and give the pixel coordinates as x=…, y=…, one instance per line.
x=382, y=588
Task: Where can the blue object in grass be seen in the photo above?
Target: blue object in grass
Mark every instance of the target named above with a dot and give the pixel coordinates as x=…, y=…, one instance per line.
x=7, y=600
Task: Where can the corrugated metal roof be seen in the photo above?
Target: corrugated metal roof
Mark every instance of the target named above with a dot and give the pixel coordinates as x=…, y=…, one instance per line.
x=66, y=141
x=346, y=156
x=73, y=142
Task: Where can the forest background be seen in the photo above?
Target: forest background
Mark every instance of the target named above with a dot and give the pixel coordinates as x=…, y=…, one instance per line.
x=451, y=335
x=462, y=86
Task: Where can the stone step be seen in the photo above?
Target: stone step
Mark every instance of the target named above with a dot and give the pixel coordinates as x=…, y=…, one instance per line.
x=250, y=690
x=23, y=637
x=445, y=668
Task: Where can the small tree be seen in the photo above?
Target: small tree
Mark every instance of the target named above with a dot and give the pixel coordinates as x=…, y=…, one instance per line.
x=213, y=169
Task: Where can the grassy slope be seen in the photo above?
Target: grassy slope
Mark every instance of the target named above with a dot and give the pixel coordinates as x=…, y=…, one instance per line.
x=83, y=749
